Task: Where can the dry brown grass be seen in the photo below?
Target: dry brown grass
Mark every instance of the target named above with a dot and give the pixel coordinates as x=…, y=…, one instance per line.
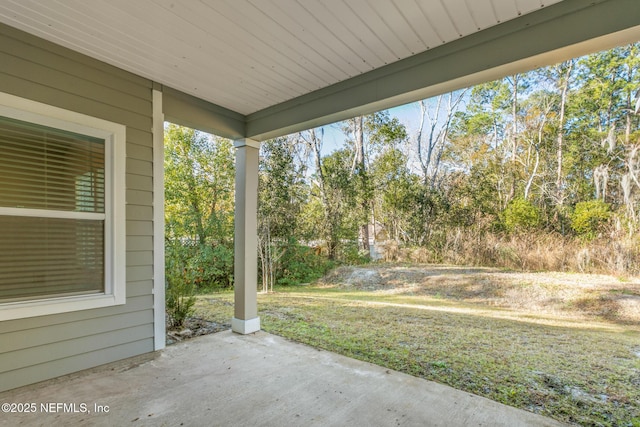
x=570, y=295
x=528, y=252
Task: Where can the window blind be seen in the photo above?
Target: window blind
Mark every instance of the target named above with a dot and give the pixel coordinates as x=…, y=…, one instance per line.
x=52, y=212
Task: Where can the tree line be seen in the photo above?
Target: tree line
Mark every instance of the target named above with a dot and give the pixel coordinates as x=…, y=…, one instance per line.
x=539, y=170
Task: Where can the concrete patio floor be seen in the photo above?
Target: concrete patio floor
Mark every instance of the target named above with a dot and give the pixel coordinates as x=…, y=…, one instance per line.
x=227, y=379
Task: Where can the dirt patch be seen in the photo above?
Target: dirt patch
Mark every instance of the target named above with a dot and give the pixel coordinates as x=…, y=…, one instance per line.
x=565, y=294
x=194, y=327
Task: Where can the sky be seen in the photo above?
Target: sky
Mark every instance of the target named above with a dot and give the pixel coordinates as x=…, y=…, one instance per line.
x=408, y=114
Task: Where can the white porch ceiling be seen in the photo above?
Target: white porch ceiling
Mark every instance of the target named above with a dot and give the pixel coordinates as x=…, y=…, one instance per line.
x=248, y=55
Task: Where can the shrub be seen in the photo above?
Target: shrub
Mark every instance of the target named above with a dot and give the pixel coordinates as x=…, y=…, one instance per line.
x=351, y=254
x=207, y=267
x=589, y=218
x=211, y=267
x=299, y=264
x=179, y=296
x=520, y=215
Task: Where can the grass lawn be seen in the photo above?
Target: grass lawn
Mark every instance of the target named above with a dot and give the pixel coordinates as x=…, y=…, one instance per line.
x=577, y=360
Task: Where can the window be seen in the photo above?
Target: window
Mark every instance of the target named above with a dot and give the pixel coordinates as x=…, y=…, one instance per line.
x=61, y=210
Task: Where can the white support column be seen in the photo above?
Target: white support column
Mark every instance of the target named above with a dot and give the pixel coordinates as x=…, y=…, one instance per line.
x=245, y=319
x=158, y=223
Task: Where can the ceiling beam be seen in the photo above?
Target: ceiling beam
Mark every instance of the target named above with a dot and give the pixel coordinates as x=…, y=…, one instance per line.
x=553, y=34
x=187, y=110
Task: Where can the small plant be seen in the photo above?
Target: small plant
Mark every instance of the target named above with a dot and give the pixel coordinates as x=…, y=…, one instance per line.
x=439, y=364
x=180, y=299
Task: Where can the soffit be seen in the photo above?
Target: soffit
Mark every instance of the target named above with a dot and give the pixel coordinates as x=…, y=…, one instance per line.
x=249, y=55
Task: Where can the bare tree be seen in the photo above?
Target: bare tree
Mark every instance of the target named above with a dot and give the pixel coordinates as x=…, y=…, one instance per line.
x=565, y=75
x=313, y=139
x=359, y=170
x=514, y=82
x=433, y=132
x=533, y=135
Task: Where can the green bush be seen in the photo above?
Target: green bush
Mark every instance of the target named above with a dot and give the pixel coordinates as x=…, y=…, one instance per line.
x=589, y=218
x=299, y=264
x=211, y=267
x=521, y=215
x=351, y=254
x=208, y=267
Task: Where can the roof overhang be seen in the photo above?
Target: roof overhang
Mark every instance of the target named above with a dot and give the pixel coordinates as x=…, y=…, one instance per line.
x=523, y=35
x=551, y=35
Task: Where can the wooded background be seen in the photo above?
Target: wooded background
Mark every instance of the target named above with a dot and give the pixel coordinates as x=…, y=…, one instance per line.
x=537, y=171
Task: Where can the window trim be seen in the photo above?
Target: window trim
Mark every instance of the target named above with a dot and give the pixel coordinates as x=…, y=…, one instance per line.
x=114, y=135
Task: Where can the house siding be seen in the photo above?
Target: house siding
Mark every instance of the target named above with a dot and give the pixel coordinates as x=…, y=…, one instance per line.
x=39, y=348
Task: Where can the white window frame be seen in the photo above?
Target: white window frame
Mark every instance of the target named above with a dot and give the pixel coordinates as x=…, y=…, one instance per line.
x=114, y=135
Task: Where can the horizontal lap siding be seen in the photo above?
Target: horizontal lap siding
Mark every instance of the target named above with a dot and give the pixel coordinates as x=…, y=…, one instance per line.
x=39, y=348
x=76, y=362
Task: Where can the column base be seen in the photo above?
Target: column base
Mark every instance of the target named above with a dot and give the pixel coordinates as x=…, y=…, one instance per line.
x=245, y=327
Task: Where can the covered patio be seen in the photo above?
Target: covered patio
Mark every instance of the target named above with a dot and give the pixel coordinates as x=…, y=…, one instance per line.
x=227, y=379
x=249, y=71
